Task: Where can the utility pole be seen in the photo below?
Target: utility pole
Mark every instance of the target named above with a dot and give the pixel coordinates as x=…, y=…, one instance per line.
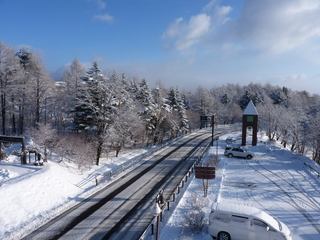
x=212, y=129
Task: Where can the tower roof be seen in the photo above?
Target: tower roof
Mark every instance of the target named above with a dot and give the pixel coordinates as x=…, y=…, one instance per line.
x=250, y=109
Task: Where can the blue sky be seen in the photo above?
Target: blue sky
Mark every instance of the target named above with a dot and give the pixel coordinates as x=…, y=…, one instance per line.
x=178, y=42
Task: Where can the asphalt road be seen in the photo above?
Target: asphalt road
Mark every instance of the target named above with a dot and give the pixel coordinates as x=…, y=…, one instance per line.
x=123, y=209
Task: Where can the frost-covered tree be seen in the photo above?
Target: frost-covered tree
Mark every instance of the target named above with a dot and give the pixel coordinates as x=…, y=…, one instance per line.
x=184, y=121
x=35, y=86
x=72, y=78
x=147, y=109
x=162, y=115
x=88, y=99
x=98, y=105
x=178, y=110
x=10, y=72
x=127, y=125
x=45, y=137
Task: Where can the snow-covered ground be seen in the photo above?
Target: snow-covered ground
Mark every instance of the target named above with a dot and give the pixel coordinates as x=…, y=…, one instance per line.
x=31, y=195
x=276, y=180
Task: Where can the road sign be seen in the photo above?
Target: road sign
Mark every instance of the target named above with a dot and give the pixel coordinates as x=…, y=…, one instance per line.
x=205, y=172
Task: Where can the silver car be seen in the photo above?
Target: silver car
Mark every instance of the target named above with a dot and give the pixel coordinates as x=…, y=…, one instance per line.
x=237, y=152
x=232, y=221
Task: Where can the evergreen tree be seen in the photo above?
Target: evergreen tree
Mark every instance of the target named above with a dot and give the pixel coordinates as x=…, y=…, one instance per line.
x=225, y=99
x=72, y=78
x=97, y=106
x=147, y=112
x=87, y=99
x=178, y=109
x=184, y=122
x=173, y=100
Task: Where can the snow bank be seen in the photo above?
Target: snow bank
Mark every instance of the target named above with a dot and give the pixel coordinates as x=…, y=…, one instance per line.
x=32, y=195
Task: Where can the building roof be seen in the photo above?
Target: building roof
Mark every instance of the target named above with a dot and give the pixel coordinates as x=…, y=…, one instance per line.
x=250, y=109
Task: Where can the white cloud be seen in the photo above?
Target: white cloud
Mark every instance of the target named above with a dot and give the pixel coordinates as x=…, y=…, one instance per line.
x=102, y=4
x=195, y=29
x=277, y=26
x=104, y=18
x=270, y=26
x=174, y=29
x=184, y=34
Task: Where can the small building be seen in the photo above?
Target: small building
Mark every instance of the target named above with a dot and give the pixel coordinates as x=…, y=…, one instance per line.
x=250, y=119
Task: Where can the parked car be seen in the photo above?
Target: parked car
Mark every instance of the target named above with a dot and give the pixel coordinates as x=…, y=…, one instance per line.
x=232, y=221
x=231, y=151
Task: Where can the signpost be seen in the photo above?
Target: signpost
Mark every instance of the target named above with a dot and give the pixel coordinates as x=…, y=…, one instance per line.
x=205, y=173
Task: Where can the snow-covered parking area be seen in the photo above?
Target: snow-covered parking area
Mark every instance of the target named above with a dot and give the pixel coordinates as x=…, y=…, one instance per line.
x=275, y=180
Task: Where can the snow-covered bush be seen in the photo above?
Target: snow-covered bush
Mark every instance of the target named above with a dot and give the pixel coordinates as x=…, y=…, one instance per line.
x=76, y=149
x=195, y=216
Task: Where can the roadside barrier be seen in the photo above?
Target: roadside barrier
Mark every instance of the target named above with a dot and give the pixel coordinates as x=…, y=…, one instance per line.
x=174, y=197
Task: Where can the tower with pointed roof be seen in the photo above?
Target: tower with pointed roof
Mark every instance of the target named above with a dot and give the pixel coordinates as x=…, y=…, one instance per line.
x=250, y=119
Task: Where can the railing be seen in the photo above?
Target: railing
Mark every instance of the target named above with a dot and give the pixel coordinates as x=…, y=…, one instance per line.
x=135, y=160
x=98, y=177
x=175, y=195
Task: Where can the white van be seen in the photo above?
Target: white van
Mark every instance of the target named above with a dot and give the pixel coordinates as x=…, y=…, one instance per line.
x=229, y=221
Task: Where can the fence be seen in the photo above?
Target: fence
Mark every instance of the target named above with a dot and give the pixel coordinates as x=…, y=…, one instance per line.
x=174, y=196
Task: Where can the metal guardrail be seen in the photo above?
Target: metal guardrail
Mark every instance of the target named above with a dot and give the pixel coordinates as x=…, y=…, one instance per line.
x=173, y=200
x=132, y=162
x=99, y=177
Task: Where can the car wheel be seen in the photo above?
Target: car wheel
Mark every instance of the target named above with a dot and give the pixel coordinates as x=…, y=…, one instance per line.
x=249, y=156
x=224, y=236
x=230, y=155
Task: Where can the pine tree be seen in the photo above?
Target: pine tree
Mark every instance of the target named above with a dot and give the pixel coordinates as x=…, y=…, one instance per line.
x=178, y=110
x=72, y=78
x=173, y=99
x=87, y=99
x=99, y=104
x=184, y=122
x=147, y=112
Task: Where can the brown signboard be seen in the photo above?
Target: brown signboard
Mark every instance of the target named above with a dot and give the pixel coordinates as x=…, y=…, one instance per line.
x=205, y=172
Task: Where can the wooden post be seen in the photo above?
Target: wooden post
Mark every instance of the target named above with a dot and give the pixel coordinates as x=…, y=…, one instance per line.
x=244, y=131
